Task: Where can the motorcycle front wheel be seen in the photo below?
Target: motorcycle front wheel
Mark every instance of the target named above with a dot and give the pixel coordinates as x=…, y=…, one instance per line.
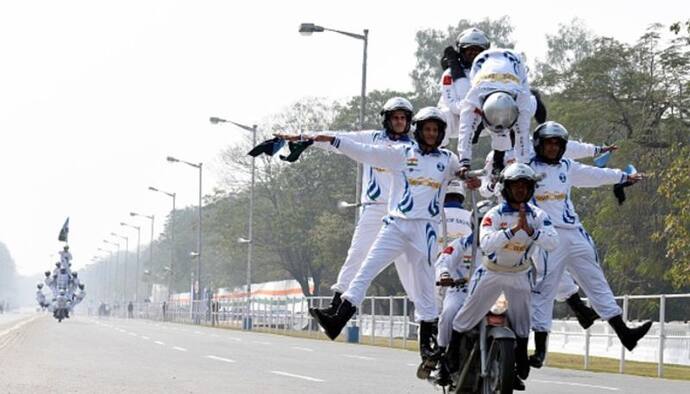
x=500, y=367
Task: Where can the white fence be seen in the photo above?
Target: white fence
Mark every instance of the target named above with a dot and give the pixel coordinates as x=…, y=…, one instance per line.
x=390, y=318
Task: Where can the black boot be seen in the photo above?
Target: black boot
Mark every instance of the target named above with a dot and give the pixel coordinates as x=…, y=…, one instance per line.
x=537, y=359
x=452, y=354
x=443, y=377
x=333, y=324
x=518, y=384
x=521, y=361
x=335, y=303
x=427, y=349
x=584, y=314
x=629, y=336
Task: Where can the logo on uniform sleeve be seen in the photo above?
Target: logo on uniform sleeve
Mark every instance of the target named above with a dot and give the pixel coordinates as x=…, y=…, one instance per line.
x=440, y=167
x=561, y=176
x=448, y=250
x=447, y=80
x=487, y=222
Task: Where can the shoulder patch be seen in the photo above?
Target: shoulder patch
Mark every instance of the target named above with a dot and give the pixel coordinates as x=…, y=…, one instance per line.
x=447, y=80
x=448, y=250
x=487, y=222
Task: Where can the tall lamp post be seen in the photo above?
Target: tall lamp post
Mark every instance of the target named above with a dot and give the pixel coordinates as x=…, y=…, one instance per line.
x=309, y=28
x=172, y=236
x=136, y=280
x=152, y=218
x=105, y=274
x=248, y=317
x=124, y=279
x=250, y=246
x=117, y=262
x=198, y=166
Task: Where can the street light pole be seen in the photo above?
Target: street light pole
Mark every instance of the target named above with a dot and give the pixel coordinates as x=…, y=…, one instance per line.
x=115, y=267
x=253, y=130
x=152, y=218
x=136, y=280
x=172, y=237
x=307, y=29
x=124, y=281
x=199, y=166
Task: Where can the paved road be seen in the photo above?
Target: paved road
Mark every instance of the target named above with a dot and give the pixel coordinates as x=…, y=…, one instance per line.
x=86, y=355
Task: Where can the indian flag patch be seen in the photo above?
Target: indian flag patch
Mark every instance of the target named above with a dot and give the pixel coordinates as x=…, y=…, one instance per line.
x=412, y=162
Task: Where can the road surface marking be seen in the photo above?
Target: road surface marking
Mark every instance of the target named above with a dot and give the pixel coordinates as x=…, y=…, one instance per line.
x=179, y=348
x=593, y=386
x=227, y=360
x=143, y=337
x=18, y=325
x=358, y=357
x=412, y=365
x=235, y=339
x=197, y=332
x=292, y=375
x=158, y=343
x=304, y=349
x=261, y=343
x=133, y=334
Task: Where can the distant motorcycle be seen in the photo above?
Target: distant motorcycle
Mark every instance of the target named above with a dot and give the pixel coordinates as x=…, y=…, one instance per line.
x=61, y=306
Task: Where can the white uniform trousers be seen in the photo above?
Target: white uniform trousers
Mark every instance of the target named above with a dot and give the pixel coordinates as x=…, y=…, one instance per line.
x=576, y=253
x=485, y=288
x=409, y=244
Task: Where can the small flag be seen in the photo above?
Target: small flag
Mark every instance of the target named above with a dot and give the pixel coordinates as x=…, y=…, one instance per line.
x=630, y=169
x=268, y=147
x=619, y=189
x=601, y=160
x=64, y=232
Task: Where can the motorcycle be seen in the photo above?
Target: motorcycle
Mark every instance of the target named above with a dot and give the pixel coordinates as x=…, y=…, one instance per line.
x=487, y=355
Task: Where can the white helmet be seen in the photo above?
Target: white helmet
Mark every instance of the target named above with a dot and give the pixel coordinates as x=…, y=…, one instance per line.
x=514, y=172
x=547, y=130
x=499, y=112
x=426, y=114
x=471, y=37
x=455, y=187
x=397, y=104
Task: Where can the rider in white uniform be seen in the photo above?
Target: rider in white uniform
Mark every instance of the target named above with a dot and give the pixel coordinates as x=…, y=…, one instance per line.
x=508, y=235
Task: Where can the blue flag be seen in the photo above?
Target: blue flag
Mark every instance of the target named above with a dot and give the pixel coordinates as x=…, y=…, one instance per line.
x=64, y=232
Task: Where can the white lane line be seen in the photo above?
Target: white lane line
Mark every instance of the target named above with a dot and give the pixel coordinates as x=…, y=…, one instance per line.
x=227, y=360
x=179, y=348
x=145, y=338
x=133, y=334
x=592, y=386
x=234, y=339
x=18, y=325
x=158, y=343
x=261, y=343
x=292, y=375
x=304, y=349
x=359, y=357
x=412, y=365
x=215, y=335
x=197, y=332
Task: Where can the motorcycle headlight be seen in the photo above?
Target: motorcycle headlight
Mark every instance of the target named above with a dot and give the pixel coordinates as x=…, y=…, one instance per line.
x=500, y=306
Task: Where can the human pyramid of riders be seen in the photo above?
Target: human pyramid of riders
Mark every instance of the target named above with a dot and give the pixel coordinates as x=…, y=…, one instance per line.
x=530, y=248
x=67, y=291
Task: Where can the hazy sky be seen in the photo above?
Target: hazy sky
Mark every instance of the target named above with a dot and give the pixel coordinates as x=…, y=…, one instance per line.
x=94, y=95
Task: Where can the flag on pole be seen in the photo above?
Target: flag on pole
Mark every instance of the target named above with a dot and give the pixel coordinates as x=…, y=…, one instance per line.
x=64, y=232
